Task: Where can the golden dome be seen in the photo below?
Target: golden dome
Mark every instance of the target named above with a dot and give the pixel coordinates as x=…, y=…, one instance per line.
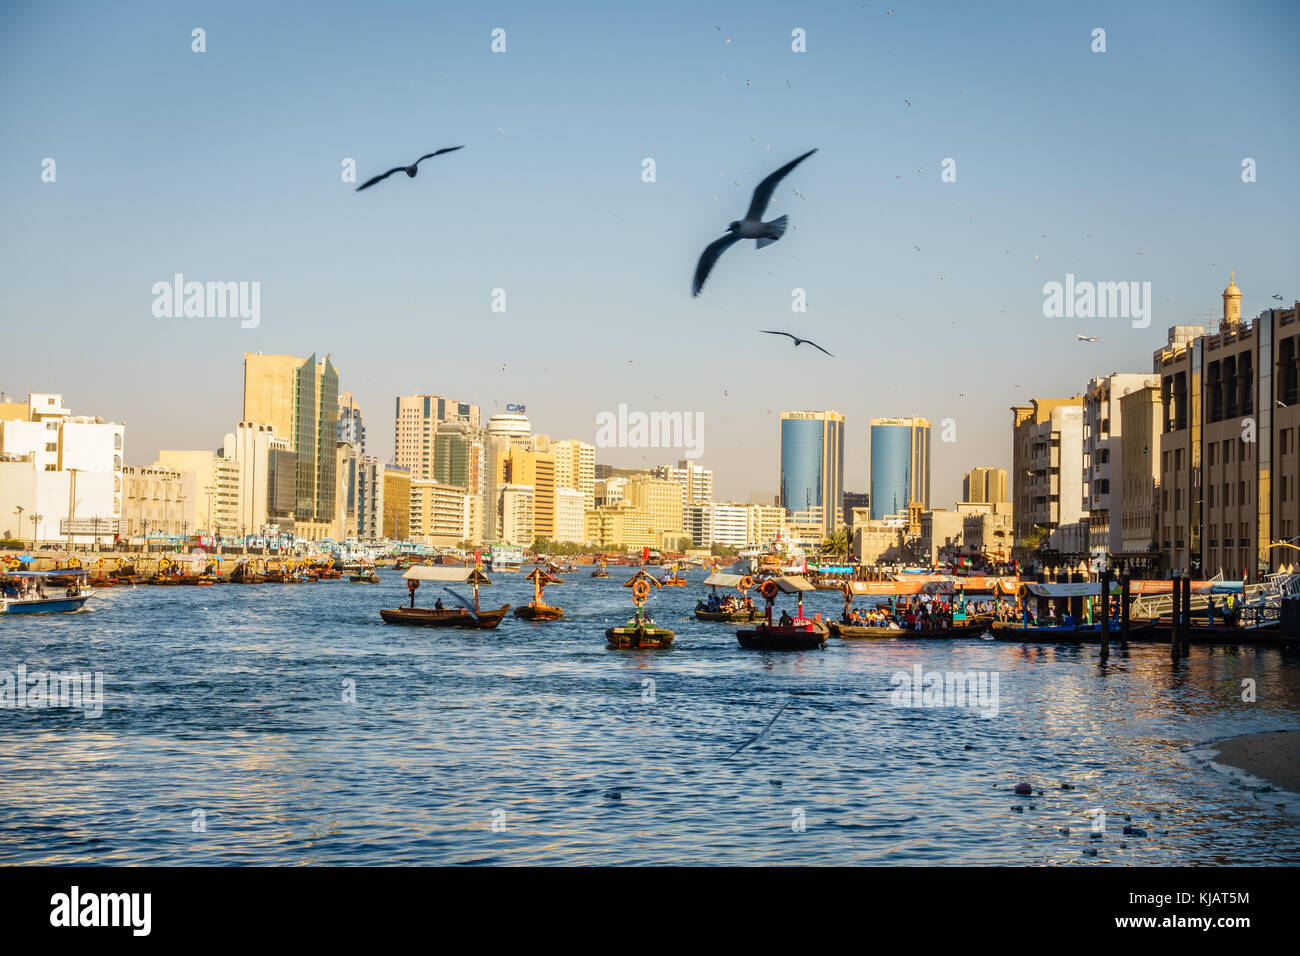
x=1232, y=289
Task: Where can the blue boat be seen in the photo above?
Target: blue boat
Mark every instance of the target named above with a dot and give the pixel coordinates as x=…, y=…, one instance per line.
x=26, y=592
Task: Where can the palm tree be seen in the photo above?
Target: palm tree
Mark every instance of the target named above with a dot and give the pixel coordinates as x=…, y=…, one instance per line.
x=836, y=544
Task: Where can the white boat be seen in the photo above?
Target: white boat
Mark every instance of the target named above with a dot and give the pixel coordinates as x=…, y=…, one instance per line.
x=25, y=592
x=502, y=558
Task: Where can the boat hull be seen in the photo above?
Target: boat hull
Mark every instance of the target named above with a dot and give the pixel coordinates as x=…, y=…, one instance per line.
x=448, y=617
x=50, y=605
x=1080, y=634
x=776, y=637
x=548, y=612
x=637, y=638
x=730, y=617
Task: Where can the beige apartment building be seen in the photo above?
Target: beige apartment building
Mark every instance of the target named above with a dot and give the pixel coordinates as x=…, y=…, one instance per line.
x=1047, y=467
x=416, y=429
x=661, y=498
x=984, y=484
x=439, y=513
x=1140, y=412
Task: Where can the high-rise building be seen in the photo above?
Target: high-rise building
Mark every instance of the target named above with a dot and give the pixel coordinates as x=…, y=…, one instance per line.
x=397, y=503
x=251, y=447
x=1230, y=418
x=360, y=499
x=570, y=516
x=659, y=497
x=696, y=481
x=987, y=485
x=900, y=466
x=351, y=428
x=515, y=518
x=439, y=513
x=1103, y=457
x=417, y=420
x=1047, y=467
x=812, y=468
x=575, y=467
x=299, y=397
x=535, y=470
x=1140, y=415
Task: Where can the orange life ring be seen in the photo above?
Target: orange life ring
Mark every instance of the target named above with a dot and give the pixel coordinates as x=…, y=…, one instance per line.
x=412, y=584
x=640, y=590
x=769, y=589
x=745, y=583
x=847, y=590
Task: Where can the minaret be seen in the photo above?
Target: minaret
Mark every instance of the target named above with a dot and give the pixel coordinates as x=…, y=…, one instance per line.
x=1231, y=305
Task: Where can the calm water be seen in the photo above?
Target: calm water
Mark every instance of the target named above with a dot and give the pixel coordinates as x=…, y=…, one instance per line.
x=229, y=700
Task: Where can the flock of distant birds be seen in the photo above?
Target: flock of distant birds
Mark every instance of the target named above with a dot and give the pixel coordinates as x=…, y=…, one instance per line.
x=751, y=227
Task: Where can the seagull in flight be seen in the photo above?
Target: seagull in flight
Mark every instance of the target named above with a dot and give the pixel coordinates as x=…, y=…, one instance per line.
x=751, y=227
x=1278, y=297
x=409, y=170
x=797, y=341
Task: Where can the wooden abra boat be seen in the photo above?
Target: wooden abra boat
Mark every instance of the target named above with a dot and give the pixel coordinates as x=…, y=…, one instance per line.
x=474, y=617
x=600, y=572
x=743, y=613
x=640, y=631
x=366, y=576
x=537, y=609
x=790, y=634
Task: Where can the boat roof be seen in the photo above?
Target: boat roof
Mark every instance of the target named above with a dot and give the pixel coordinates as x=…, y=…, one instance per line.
x=720, y=580
x=445, y=572
x=793, y=584
x=43, y=574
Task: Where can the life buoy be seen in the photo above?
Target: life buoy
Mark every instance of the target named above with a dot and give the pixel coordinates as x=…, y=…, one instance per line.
x=640, y=590
x=99, y=563
x=769, y=589
x=412, y=584
x=74, y=562
x=847, y=590
x=14, y=564
x=745, y=583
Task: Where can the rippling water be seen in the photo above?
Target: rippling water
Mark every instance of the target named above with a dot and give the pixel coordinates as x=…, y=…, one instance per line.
x=229, y=700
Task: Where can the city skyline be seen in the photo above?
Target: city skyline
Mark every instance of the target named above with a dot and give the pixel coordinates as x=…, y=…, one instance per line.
x=943, y=307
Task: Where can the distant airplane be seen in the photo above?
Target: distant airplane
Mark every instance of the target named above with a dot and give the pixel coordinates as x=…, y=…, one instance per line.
x=1087, y=338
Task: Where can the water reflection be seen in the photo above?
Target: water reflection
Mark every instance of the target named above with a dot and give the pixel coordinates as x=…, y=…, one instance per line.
x=231, y=701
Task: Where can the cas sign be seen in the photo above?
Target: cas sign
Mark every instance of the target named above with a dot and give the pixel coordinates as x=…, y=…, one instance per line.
x=517, y=408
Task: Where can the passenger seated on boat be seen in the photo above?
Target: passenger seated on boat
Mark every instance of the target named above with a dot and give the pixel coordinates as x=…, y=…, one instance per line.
x=437, y=605
x=786, y=619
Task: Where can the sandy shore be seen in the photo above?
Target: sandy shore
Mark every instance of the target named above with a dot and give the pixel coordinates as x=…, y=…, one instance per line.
x=1273, y=757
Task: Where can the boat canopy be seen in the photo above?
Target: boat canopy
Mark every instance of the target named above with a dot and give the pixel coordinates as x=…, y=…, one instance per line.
x=44, y=574
x=720, y=580
x=793, y=584
x=445, y=572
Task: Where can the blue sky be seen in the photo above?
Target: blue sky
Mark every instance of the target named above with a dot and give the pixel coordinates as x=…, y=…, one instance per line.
x=225, y=166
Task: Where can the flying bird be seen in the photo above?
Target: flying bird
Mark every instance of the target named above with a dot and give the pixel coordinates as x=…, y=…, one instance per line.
x=797, y=341
x=1278, y=297
x=409, y=170
x=751, y=227
x=759, y=736
x=463, y=602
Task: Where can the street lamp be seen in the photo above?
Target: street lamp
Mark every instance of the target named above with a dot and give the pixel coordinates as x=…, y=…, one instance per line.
x=19, y=512
x=36, y=520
